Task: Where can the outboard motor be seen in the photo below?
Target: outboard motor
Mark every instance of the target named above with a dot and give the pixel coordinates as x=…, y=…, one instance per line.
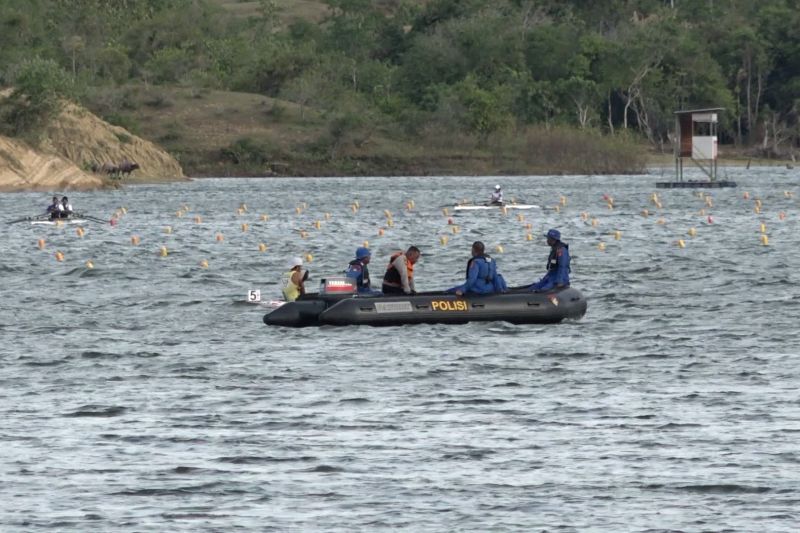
x=337, y=286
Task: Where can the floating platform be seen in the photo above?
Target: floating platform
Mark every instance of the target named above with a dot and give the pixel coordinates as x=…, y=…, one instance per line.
x=700, y=184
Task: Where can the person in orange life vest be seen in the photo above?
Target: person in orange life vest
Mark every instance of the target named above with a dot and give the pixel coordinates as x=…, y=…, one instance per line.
x=482, y=276
x=557, y=275
x=399, y=276
x=357, y=269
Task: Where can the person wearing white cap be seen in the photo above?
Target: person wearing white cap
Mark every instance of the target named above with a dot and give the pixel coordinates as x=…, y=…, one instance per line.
x=497, y=196
x=293, y=280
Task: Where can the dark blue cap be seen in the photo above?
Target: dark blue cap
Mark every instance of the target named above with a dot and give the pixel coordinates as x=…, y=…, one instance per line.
x=553, y=234
x=362, y=252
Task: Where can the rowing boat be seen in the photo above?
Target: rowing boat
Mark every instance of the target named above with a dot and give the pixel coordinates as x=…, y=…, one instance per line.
x=489, y=207
x=58, y=221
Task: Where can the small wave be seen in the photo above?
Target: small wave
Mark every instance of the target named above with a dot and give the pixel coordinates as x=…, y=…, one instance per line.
x=325, y=469
x=99, y=411
x=257, y=460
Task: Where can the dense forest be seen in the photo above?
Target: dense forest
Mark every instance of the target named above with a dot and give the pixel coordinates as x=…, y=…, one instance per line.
x=485, y=70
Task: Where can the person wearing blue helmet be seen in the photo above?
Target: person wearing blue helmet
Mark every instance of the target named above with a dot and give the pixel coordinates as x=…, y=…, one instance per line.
x=557, y=275
x=357, y=269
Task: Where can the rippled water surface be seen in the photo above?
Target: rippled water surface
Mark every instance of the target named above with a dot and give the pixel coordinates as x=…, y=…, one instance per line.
x=145, y=394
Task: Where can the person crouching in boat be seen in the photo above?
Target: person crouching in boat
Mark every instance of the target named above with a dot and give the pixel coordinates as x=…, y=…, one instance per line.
x=482, y=276
x=66, y=208
x=358, y=271
x=557, y=275
x=399, y=276
x=54, y=209
x=497, y=196
x=293, y=280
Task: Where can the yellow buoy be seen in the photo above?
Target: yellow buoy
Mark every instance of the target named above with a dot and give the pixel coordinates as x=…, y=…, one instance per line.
x=245, y=226
x=40, y=244
x=219, y=237
x=317, y=224
x=204, y=263
x=387, y=213
x=309, y=258
x=443, y=240
x=366, y=244
x=303, y=234
x=89, y=264
x=499, y=248
x=59, y=223
x=354, y=208
x=757, y=210
x=179, y=213
x=709, y=203
x=80, y=232
x=135, y=240
x=528, y=236
x=304, y=205
x=125, y=210
x=163, y=252
x=198, y=219
x=658, y=205
x=645, y=213
x=763, y=228
x=595, y=222
x=243, y=207
x=454, y=229
x=692, y=232
x=584, y=216
x=264, y=218
x=564, y=201
x=445, y=212
x=327, y=216
x=558, y=208
x=787, y=194
x=617, y=235
x=262, y=247
x=601, y=246
x=298, y=210
x=390, y=222
x=764, y=240
x=356, y=203
x=504, y=210
x=168, y=230
x=681, y=243
x=59, y=256
x=610, y=205
x=661, y=221
x=521, y=217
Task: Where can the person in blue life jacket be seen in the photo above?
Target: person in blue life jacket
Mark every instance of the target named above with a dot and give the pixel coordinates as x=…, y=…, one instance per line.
x=557, y=275
x=357, y=269
x=482, y=276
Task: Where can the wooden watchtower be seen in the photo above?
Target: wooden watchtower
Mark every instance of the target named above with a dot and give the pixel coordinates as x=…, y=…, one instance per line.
x=696, y=139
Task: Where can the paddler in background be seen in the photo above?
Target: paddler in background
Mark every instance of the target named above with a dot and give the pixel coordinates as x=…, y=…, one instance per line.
x=399, y=276
x=293, y=280
x=557, y=275
x=357, y=270
x=54, y=209
x=497, y=196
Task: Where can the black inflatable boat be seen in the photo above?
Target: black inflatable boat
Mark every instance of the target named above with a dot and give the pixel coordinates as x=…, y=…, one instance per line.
x=342, y=308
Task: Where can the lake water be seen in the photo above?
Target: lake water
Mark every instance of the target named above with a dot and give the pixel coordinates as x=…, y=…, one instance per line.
x=145, y=395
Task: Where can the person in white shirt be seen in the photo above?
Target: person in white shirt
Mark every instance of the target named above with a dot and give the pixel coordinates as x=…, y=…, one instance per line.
x=66, y=208
x=497, y=196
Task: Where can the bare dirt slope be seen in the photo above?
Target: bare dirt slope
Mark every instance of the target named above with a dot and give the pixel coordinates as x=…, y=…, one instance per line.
x=70, y=146
x=22, y=168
